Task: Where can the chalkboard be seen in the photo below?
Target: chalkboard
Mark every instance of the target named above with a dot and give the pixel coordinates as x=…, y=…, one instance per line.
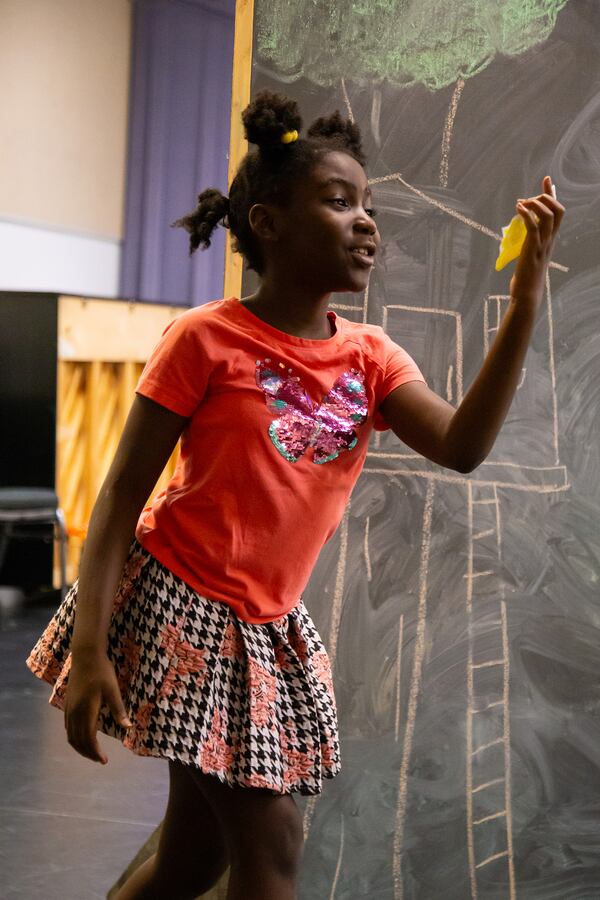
x=462, y=613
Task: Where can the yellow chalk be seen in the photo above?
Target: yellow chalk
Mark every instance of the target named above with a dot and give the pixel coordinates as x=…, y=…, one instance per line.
x=513, y=238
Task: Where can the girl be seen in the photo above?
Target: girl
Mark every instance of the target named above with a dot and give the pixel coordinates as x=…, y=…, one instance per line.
x=191, y=643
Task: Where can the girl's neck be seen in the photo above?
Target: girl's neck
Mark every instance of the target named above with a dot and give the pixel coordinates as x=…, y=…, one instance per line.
x=291, y=312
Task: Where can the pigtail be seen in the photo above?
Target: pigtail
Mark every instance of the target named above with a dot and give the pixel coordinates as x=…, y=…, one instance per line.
x=212, y=210
x=343, y=132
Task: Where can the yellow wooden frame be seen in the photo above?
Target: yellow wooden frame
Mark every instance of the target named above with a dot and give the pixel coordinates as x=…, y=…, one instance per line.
x=238, y=146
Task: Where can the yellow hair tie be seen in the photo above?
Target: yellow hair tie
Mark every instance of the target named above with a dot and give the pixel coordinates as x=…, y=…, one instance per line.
x=289, y=137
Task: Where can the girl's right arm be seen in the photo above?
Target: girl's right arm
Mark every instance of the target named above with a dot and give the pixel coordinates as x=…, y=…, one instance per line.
x=149, y=437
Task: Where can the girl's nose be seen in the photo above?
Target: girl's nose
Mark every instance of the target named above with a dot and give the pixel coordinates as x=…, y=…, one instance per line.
x=365, y=225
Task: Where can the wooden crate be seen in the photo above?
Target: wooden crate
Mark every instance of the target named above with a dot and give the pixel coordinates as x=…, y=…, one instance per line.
x=102, y=348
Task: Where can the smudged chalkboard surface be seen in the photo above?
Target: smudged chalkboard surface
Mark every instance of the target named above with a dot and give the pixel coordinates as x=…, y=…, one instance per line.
x=462, y=613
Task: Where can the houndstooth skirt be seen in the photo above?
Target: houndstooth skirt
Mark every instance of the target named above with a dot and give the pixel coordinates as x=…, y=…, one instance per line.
x=251, y=704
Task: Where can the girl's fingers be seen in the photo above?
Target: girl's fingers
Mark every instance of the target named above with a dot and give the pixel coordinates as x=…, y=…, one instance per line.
x=550, y=202
x=84, y=747
x=559, y=212
x=545, y=216
x=528, y=217
x=82, y=735
x=547, y=199
x=117, y=708
x=87, y=745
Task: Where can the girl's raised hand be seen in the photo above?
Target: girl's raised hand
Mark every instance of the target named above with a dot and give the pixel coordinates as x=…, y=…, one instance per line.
x=92, y=682
x=542, y=216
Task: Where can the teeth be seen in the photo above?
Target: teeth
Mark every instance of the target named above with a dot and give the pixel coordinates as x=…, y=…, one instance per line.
x=361, y=250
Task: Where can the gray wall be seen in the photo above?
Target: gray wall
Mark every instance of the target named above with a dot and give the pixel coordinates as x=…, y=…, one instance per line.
x=461, y=612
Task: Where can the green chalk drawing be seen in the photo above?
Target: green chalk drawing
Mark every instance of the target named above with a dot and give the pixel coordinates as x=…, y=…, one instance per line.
x=432, y=42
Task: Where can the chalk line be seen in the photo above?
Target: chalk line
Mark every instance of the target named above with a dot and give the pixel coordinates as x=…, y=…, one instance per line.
x=451, y=212
x=339, y=861
x=448, y=127
x=415, y=686
x=347, y=101
x=367, y=552
x=399, y=675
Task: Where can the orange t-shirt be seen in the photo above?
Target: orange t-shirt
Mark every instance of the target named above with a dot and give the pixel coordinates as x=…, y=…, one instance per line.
x=277, y=436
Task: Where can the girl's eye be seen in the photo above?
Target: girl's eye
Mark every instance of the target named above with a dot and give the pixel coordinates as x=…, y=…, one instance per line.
x=369, y=211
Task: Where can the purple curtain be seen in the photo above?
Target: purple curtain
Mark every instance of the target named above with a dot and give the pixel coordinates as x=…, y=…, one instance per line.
x=178, y=145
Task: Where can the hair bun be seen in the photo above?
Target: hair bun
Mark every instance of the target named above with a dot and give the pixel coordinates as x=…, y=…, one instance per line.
x=334, y=126
x=268, y=118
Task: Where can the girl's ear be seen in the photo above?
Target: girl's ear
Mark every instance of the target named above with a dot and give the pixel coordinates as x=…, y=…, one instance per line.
x=262, y=222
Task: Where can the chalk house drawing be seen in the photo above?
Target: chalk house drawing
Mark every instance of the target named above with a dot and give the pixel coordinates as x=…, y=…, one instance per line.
x=489, y=839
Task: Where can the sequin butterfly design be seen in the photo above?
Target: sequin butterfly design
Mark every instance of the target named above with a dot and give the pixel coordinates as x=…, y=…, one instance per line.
x=329, y=427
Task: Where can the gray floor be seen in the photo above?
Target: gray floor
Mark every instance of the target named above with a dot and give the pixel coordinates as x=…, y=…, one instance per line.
x=68, y=827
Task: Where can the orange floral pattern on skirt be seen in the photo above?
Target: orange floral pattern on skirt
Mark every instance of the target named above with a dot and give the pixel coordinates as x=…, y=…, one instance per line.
x=251, y=704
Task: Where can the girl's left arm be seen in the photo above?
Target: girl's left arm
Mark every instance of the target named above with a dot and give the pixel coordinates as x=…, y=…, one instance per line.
x=461, y=438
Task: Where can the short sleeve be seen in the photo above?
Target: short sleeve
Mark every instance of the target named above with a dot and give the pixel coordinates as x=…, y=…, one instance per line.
x=176, y=375
x=399, y=368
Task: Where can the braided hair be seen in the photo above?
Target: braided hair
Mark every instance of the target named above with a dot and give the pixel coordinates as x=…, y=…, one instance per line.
x=266, y=175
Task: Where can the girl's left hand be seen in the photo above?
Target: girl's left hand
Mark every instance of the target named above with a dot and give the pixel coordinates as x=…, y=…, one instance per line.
x=542, y=216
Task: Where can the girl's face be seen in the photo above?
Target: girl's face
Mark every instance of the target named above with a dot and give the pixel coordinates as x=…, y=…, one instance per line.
x=327, y=236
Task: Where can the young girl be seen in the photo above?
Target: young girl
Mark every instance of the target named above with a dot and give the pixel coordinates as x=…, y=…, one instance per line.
x=191, y=643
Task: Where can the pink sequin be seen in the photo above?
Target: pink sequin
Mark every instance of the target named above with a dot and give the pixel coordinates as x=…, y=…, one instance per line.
x=329, y=428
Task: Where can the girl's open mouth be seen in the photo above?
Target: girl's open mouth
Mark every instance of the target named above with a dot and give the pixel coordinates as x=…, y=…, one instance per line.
x=362, y=257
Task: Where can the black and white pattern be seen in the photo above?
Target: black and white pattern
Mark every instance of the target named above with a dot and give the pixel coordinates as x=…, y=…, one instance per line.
x=251, y=704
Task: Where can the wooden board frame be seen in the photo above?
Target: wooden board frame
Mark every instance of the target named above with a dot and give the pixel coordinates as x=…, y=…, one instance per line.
x=238, y=146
